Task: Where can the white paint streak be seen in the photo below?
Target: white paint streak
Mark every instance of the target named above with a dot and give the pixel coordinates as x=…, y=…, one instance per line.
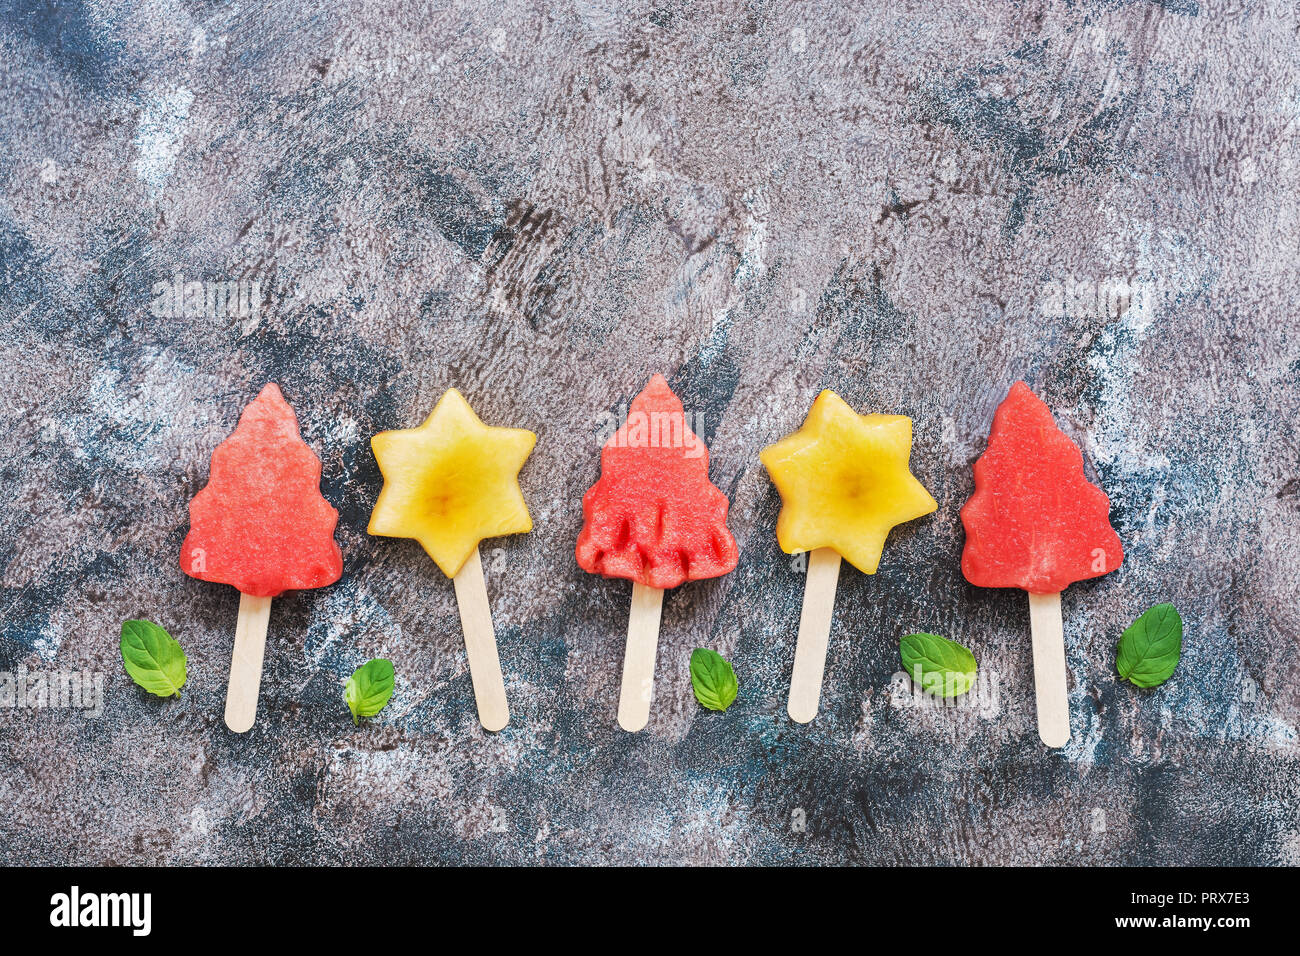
x=158, y=139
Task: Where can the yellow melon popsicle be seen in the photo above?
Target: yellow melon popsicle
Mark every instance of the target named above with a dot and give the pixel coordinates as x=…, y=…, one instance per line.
x=844, y=483
x=449, y=484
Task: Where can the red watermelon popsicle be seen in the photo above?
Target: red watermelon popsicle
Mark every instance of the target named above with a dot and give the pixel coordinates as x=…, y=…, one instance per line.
x=1035, y=522
x=261, y=525
x=656, y=519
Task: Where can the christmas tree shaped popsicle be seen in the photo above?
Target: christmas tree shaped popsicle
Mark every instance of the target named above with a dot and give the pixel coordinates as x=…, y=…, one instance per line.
x=261, y=525
x=1035, y=522
x=449, y=484
x=654, y=518
x=844, y=483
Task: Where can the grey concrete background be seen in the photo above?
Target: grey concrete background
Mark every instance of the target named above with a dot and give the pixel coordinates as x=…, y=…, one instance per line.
x=543, y=205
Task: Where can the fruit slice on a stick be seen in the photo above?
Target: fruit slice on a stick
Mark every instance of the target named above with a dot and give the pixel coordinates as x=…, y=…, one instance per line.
x=449, y=484
x=1035, y=522
x=844, y=484
x=261, y=525
x=654, y=518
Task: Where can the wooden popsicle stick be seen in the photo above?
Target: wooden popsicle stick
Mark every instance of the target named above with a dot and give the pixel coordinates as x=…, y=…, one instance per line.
x=246, y=662
x=1049, y=669
x=814, y=633
x=639, y=657
x=481, y=645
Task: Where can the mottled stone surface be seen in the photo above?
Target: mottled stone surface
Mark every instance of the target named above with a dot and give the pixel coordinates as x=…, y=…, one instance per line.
x=914, y=204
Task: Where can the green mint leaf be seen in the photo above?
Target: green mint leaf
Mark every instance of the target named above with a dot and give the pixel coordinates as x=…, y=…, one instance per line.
x=153, y=658
x=938, y=665
x=1149, y=649
x=713, y=679
x=368, y=689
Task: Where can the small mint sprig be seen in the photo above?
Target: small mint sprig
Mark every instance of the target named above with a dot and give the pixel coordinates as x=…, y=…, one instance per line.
x=1150, y=647
x=153, y=658
x=938, y=665
x=712, y=679
x=368, y=689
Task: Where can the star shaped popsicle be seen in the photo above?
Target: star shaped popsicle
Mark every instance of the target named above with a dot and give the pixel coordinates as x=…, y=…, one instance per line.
x=449, y=484
x=844, y=483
